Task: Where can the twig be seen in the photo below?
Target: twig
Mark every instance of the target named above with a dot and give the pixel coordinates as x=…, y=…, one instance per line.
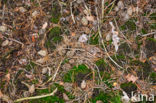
x=53, y=78
x=103, y=6
x=109, y=5
x=148, y=34
x=36, y=97
x=3, y=12
x=112, y=6
x=14, y=40
x=57, y=70
x=72, y=12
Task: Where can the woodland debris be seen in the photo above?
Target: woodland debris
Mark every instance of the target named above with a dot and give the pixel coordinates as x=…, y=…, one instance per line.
x=5, y=43
x=3, y=28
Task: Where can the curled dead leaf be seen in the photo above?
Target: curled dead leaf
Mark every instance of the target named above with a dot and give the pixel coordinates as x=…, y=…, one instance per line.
x=90, y=18
x=44, y=26
x=7, y=77
x=32, y=88
x=42, y=60
x=42, y=52
x=83, y=84
x=132, y=78
x=5, y=43
x=65, y=97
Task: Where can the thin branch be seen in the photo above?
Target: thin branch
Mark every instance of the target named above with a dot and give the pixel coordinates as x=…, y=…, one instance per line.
x=148, y=34
x=57, y=70
x=14, y=40
x=36, y=97
x=103, y=6
x=72, y=12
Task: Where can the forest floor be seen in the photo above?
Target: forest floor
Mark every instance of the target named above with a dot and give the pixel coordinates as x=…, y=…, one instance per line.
x=77, y=51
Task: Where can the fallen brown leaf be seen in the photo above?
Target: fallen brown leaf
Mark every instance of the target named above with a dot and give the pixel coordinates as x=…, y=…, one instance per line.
x=132, y=78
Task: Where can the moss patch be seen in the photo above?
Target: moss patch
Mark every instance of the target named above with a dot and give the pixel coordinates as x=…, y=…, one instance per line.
x=94, y=39
x=153, y=77
x=30, y=66
x=102, y=65
x=129, y=25
x=150, y=47
x=144, y=69
x=55, y=14
x=128, y=87
x=76, y=74
x=53, y=37
x=111, y=97
x=124, y=49
x=58, y=97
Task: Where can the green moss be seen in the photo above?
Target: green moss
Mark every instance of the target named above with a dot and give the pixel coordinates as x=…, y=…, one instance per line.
x=1, y=41
x=153, y=26
x=4, y=1
x=128, y=87
x=123, y=27
x=102, y=65
x=130, y=25
x=2, y=84
x=150, y=47
x=153, y=77
x=107, y=3
x=106, y=76
x=34, y=81
x=116, y=98
x=124, y=49
x=55, y=14
x=54, y=31
x=144, y=69
x=138, y=41
x=111, y=97
x=153, y=16
x=152, y=40
x=143, y=31
x=50, y=99
x=65, y=61
x=53, y=37
x=100, y=62
x=94, y=40
x=104, y=97
x=30, y=66
x=70, y=76
x=119, y=58
x=56, y=39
